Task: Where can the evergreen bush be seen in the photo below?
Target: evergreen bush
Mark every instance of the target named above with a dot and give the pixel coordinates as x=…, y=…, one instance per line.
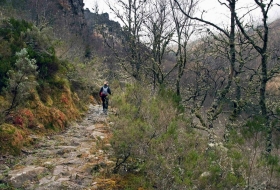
x=22, y=79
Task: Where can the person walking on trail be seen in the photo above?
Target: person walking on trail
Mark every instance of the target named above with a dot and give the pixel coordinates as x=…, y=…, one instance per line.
x=103, y=93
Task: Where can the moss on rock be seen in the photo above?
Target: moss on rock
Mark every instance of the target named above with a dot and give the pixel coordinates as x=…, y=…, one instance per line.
x=11, y=139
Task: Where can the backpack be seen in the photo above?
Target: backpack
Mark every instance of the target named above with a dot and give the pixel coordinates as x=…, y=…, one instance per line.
x=104, y=91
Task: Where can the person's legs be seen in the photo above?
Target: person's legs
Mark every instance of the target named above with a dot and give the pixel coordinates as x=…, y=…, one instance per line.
x=103, y=103
x=105, y=107
x=106, y=103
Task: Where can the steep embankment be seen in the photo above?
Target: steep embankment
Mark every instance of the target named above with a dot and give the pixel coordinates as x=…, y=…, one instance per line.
x=69, y=160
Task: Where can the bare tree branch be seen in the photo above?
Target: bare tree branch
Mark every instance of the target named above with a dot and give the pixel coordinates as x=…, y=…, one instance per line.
x=202, y=20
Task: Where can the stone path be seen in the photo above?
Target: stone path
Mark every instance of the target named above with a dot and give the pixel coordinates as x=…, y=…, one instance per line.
x=70, y=160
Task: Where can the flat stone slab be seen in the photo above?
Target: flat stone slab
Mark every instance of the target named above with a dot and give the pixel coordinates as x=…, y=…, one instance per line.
x=97, y=134
x=21, y=176
x=90, y=128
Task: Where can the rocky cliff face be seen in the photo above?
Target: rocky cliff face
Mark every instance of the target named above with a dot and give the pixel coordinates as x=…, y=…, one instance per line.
x=68, y=22
x=48, y=11
x=61, y=14
x=94, y=19
x=63, y=19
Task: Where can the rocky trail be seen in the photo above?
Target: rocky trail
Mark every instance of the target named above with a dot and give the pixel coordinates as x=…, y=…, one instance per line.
x=70, y=160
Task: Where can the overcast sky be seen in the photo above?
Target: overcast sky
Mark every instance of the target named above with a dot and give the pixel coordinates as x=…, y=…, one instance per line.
x=215, y=12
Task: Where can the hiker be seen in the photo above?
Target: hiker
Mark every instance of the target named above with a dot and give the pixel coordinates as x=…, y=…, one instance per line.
x=103, y=93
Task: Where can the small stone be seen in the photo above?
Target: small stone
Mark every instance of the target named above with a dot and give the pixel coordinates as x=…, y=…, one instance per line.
x=205, y=174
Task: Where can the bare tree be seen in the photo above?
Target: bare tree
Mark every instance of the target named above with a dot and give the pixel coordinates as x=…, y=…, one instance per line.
x=96, y=7
x=261, y=46
x=250, y=36
x=184, y=28
x=131, y=14
x=216, y=107
x=159, y=32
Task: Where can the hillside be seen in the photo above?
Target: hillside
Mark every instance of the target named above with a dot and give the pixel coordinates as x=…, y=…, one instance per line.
x=44, y=86
x=46, y=51
x=183, y=115
x=67, y=21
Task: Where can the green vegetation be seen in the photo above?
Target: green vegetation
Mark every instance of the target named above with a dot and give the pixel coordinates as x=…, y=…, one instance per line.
x=12, y=33
x=5, y=187
x=21, y=79
x=11, y=139
x=17, y=35
x=32, y=85
x=194, y=125
x=158, y=145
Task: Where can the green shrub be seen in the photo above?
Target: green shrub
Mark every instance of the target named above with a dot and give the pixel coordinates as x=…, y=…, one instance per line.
x=155, y=142
x=150, y=137
x=253, y=126
x=4, y=186
x=4, y=68
x=272, y=163
x=18, y=34
x=13, y=30
x=48, y=64
x=11, y=139
x=22, y=79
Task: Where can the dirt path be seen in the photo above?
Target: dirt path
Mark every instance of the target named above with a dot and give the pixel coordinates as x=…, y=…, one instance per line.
x=70, y=160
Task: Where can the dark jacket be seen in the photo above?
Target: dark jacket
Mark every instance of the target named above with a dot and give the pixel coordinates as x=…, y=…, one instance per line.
x=101, y=90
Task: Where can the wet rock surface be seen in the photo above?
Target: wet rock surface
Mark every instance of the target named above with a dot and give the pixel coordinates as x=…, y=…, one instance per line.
x=70, y=160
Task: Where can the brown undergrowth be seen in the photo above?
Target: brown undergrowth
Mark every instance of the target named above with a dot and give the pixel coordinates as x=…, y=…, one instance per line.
x=38, y=117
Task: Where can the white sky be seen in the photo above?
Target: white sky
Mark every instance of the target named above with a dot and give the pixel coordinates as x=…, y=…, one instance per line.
x=214, y=11
x=101, y=3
